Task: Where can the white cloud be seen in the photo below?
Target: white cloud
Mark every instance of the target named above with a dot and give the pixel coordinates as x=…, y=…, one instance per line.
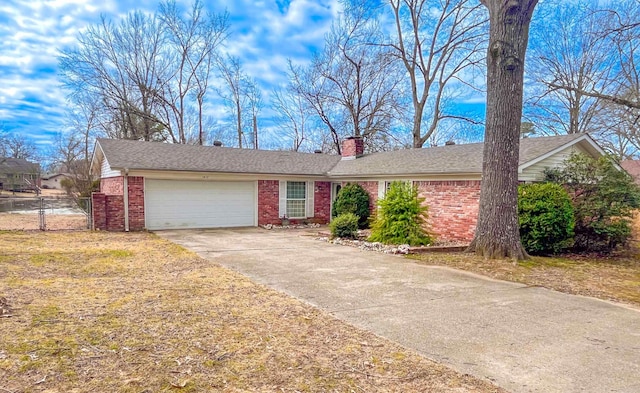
x=264, y=35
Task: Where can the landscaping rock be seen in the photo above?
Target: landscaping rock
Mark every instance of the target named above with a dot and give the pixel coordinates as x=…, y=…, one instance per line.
x=291, y=226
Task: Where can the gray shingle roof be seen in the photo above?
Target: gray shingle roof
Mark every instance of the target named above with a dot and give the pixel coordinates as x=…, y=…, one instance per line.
x=17, y=165
x=455, y=159
x=175, y=157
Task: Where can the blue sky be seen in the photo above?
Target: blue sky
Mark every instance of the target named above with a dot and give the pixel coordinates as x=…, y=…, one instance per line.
x=264, y=34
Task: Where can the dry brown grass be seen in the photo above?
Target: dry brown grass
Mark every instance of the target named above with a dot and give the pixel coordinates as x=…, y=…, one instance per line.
x=31, y=222
x=616, y=279
x=107, y=312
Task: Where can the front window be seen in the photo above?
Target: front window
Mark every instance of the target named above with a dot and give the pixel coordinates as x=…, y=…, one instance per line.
x=296, y=199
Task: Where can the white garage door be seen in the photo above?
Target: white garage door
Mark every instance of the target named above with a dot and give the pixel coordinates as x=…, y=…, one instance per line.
x=171, y=204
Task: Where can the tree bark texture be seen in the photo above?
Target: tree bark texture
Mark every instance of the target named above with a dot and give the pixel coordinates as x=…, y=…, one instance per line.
x=497, y=233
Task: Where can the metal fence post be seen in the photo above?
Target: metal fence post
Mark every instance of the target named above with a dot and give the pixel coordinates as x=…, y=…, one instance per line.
x=87, y=211
x=41, y=213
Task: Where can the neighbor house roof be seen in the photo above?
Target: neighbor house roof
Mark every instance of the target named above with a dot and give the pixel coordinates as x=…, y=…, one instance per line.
x=138, y=155
x=48, y=176
x=451, y=159
x=17, y=165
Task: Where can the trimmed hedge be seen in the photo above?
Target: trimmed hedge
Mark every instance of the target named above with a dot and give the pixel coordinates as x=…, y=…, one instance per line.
x=345, y=226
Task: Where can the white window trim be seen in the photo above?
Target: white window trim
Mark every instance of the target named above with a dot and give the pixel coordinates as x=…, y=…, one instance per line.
x=383, y=186
x=309, y=199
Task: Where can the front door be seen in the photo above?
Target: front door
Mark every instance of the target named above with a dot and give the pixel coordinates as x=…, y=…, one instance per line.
x=335, y=188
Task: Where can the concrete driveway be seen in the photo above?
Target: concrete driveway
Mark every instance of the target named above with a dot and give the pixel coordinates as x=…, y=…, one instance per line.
x=525, y=339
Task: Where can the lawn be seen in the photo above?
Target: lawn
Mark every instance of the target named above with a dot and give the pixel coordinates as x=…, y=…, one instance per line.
x=614, y=278
x=115, y=312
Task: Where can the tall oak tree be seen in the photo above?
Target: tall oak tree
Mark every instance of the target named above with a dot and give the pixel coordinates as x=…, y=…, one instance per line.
x=497, y=233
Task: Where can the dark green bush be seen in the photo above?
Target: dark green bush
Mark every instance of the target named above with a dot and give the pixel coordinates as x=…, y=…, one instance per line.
x=345, y=225
x=352, y=198
x=604, y=199
x=546, y=218
x=401, y=217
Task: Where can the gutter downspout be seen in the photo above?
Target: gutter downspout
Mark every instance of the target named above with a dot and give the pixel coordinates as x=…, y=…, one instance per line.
x=126, y=199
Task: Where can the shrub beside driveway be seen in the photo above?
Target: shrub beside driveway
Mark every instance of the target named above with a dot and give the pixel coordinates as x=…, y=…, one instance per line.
x=91, y=311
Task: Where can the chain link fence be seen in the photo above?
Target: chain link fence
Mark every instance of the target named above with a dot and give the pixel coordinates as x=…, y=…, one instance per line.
x=45, y=213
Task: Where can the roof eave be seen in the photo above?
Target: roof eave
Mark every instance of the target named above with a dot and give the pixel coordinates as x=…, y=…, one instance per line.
x=98, y=153
x=130, y=168
x=405, y=175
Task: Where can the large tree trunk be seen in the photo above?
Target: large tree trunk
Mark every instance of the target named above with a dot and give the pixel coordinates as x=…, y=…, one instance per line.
x=497, y=234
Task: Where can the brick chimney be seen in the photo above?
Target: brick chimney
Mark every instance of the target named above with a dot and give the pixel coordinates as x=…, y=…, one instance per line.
x=352, y=147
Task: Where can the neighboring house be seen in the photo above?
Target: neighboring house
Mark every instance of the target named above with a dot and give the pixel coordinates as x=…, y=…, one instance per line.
x=185, y=186
x=633, y=168
x=17, y=174
x=53, y=180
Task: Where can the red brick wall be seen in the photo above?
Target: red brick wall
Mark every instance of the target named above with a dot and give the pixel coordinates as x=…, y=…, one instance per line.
x=453, y=208
x=268, y=202
x=112, y=185
x=136, y=203
x=108, y=212
x=372, y=188
x=322, y=202
x=108, y=205
x=98, y=211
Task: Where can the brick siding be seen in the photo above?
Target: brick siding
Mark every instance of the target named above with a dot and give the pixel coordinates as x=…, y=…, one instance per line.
x=108, y=205
x=453, y=208
x=108, y=212
x=268, y=202
x=112, y=185
x=370, y=187
x=322, y=202
x=136, y=203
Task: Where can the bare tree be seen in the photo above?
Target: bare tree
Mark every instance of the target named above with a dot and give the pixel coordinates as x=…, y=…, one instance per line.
x=121, y=66
x=254, y=106
x=192, y=45
x=15, y=145
x=438, y=43
x=624, y=108
x=352, y=85
x=293, y=116
x=73, y=147
x=241, y=95
x=148, y=73
x=497, y=232
x=568, y=51
x=309, y=84
x=614, y=82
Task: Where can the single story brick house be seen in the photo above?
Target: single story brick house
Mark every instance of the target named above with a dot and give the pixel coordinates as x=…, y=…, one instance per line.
x=154, y=186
